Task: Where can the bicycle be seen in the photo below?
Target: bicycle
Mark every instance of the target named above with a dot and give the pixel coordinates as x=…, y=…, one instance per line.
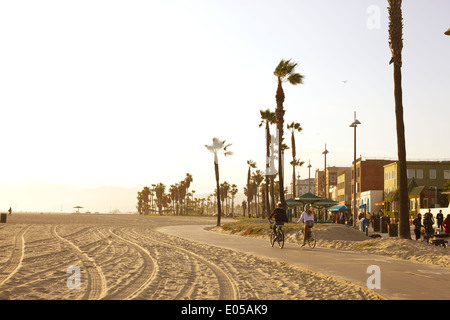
x=311, y=239
x=279, y=238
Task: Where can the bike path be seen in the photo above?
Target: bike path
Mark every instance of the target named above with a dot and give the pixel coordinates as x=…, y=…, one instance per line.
x=399, y=279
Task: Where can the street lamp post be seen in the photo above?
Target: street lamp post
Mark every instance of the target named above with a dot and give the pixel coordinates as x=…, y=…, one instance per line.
x=355, y=211
x=325, y=171
x=309, y=176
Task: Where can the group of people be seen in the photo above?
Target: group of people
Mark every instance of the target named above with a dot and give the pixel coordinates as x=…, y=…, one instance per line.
x=280, y=216
x=428, y=222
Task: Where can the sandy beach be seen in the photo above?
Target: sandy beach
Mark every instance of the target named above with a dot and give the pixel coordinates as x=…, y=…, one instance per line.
x=124, y=257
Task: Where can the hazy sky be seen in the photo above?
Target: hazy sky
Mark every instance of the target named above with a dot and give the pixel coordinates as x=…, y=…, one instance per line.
x=127, y=93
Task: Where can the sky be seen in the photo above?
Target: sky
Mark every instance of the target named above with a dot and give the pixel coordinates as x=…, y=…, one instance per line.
x=128, y=93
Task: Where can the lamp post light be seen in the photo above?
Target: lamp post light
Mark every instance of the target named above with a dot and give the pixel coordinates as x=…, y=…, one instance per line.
x=447, y=32
x=355, y=211
x=325, y=170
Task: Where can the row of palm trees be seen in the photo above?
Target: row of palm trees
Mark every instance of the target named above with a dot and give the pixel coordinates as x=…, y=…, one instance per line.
x=285, y=72
x=154, y=199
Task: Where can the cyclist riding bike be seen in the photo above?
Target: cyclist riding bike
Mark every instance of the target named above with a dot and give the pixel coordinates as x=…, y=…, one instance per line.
x=308, y=218
x=280, y=217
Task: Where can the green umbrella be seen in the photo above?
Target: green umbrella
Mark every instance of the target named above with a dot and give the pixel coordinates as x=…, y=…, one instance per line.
x=308, y=198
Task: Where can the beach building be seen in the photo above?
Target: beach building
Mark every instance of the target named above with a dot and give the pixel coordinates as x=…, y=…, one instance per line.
x=343, y=188
x=369, y=177
x=425, y=183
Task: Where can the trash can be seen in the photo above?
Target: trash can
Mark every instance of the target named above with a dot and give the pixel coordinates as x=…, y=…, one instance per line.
x=376, y=224
x=3, y=218
x=393, y=230
x=384, y=221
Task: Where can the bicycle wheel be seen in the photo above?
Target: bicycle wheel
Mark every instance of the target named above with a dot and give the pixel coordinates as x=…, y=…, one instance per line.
x=280, y=238
x=272, y=238
x=300, y=237
x=312, y=240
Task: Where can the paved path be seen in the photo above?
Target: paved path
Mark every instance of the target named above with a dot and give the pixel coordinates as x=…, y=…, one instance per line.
x=399, y=279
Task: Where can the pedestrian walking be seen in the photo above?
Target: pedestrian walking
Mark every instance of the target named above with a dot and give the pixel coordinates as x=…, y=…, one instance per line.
x=440, y=220
x=417, y=222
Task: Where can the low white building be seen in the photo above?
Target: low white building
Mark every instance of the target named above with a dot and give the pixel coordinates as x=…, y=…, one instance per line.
x=370, y=198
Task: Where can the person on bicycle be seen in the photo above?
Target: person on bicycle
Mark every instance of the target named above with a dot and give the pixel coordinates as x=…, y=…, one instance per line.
x=280, y=217
x=308, y=218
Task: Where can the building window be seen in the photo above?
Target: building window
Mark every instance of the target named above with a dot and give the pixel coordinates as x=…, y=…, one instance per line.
x=432, y=173
x=411, y=173
x=419, y=174
x=446, y=174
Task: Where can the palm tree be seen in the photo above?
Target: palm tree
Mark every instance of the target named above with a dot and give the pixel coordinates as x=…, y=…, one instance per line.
x=187, y=180
x=396, y=45
x=224, y=189
x=181, y=194
x=173, y=192
x=159, y=192
x=284, y=72
x=216, y=147
x=146, y=198
x=251, y=164
x=267, y=118
x=140, y=205
x=294, y=126
x=257, y=178
x=233, y=192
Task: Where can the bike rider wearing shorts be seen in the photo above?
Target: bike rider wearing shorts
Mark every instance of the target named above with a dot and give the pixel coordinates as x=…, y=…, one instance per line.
x=308, y=218
x=280, y=217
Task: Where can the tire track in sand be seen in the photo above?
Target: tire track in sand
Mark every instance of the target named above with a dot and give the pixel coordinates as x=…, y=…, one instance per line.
x=15, y=261
x=143, y=279
x=97, y=287
x=228, y=287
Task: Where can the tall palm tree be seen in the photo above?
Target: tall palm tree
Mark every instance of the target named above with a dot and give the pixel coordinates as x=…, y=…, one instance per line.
x=267, y=118
x=251, y=164
x=216, y=147
x=284, y=73
x=294, y=126
x=396, y=45
x=257, y=178
x=233, y=192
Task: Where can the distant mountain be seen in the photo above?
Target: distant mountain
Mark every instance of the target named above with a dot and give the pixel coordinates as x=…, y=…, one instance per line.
x=49, y=197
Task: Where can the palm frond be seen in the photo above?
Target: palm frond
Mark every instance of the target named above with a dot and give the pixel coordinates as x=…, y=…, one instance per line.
x=295, y=78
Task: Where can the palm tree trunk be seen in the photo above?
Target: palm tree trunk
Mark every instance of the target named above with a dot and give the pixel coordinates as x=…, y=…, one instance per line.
x=216, y=167
x=396, y=45
x=267, y=168
x=404, y=228
x=279, y=113
x=293, y=170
